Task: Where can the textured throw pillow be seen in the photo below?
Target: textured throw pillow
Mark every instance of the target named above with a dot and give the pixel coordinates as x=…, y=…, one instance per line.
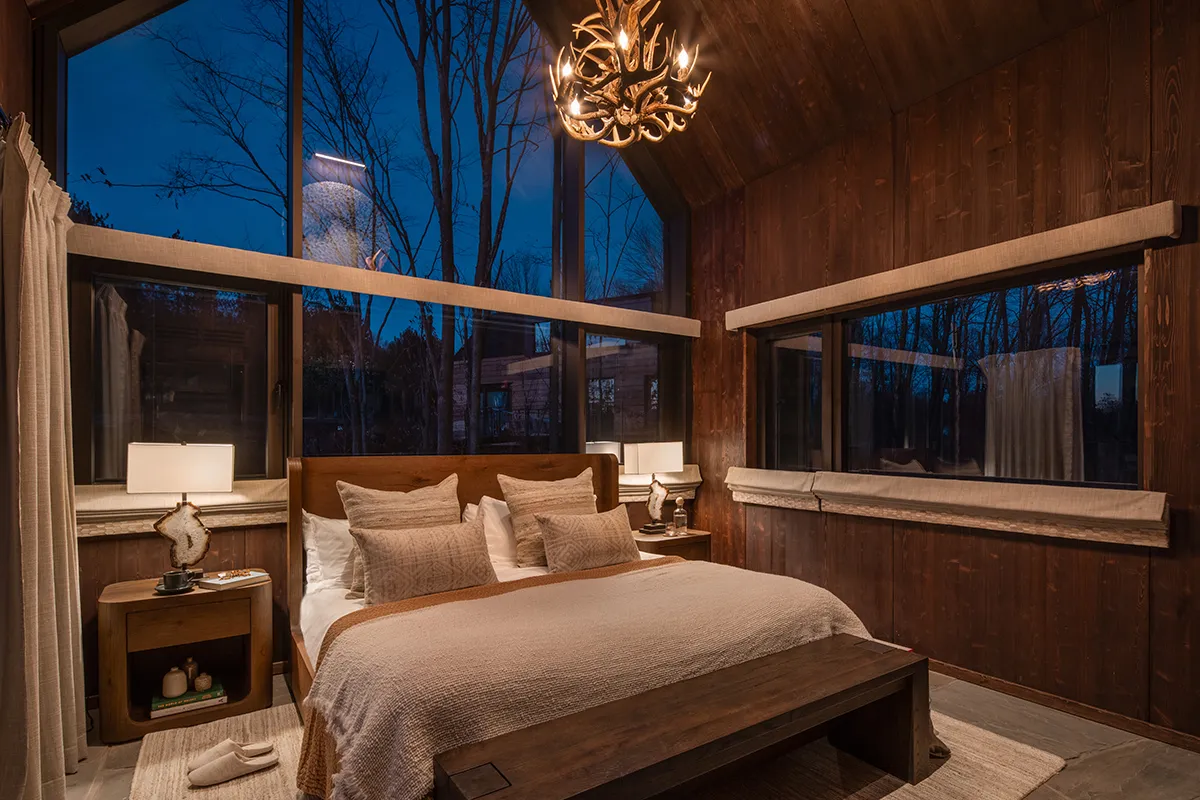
x=401, y=564
x=375, y=509
x=526, y=498
x=587, y=541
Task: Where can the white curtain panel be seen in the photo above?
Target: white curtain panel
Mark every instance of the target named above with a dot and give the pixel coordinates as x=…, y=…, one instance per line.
x=43, y=729
x=1034, y=415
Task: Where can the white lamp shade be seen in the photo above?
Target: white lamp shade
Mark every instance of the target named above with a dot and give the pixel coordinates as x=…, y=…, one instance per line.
x=649, y=457
x=179, y=468
x=603, y=448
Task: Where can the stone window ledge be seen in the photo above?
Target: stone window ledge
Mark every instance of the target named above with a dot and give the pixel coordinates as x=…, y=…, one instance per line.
x=107, y=510
x=1115, y=516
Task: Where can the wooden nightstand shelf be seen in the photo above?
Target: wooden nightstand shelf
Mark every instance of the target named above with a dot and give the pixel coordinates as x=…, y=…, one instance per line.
x=143, y=634
x=693, y=545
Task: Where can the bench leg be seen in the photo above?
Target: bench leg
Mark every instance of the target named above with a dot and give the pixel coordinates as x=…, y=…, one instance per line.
x=891, y=734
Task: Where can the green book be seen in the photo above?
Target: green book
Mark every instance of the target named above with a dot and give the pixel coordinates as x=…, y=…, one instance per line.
x=158, y=702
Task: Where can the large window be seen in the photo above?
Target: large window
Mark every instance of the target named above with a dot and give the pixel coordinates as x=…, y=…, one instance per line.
x=624, y=261
x=178, y=364
x=794, y=417
x=1037, y=382
x=389, y=162
x=375, y=381
x=178, y=126
x=624, y=401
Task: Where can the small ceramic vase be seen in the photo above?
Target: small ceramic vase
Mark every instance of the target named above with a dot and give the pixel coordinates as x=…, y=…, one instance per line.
x=203, y=682
x=191, y=669
x=175, y=683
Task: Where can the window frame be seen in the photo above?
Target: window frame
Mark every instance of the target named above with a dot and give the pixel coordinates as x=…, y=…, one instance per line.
x=834, y=358
x=82, y=272
x=73, y=28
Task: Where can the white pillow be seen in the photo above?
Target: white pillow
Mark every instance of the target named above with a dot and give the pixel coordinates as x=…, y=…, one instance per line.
x=470, y=512
x=498, y=530
x=328, y=545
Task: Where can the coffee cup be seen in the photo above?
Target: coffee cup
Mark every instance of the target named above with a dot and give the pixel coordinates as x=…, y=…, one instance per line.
x=176, y=579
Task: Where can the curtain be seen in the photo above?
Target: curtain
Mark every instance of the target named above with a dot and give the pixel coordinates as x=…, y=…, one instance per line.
x=1034, y=424
x=119, y=349
x=44, y=731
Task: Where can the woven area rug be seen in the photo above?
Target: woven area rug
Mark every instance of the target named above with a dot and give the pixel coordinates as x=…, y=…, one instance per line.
x=161, y=772
x=984, y=766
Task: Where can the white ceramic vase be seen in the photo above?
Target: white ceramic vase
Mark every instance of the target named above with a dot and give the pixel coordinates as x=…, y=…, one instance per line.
x=175, y=683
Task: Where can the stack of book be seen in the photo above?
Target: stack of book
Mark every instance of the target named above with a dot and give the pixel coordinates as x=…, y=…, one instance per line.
x=191, y=701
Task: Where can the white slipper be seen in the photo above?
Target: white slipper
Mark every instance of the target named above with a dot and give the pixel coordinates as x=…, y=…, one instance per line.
x=230, y=766
x=248, y=749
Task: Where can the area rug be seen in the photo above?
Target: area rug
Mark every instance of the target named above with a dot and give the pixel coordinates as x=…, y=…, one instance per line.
x=161, y=772
x=984, y=766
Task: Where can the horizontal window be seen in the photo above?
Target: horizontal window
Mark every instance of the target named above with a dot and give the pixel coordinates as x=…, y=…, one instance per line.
x=1032, y=383
x=178, y=364
x=377, y=380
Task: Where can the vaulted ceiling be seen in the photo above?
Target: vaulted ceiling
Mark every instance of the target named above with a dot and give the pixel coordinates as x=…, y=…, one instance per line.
x=791, y=76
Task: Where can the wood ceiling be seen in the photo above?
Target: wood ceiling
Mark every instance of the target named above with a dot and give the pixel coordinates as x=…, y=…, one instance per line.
x=791, y=76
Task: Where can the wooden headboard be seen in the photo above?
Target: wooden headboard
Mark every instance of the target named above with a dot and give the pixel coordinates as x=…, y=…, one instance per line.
x=312, y=486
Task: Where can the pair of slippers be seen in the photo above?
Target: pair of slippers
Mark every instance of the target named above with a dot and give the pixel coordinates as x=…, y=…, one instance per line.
x=228, y=760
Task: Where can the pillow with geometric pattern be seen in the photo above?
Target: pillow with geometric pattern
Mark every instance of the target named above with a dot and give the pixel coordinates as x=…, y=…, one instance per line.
x=401, y=564
x=587, y=541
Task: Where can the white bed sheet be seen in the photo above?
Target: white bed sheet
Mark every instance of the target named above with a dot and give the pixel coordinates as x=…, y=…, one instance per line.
x=323, y=604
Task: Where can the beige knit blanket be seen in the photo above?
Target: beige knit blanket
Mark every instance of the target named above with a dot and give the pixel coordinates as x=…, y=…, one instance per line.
x=396, y=687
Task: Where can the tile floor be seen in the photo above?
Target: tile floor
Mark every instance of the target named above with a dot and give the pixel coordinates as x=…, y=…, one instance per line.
x=1102, y=763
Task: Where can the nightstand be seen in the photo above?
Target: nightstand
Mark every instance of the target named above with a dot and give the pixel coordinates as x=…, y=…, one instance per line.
x=693, y=545
x=143, y=634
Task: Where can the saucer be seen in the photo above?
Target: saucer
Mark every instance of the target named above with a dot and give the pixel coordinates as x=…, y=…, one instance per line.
x=160, y=589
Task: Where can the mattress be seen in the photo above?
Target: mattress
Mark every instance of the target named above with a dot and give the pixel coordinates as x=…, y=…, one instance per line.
x=323, y=604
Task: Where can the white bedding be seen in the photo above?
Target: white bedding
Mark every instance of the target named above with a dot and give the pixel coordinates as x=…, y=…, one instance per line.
x=325, y=602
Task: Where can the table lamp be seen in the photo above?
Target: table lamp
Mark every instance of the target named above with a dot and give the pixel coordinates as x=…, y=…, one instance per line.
x=647, y=458
x=179, y=469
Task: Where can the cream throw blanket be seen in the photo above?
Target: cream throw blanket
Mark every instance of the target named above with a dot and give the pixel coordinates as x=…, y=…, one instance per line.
x=392, y=692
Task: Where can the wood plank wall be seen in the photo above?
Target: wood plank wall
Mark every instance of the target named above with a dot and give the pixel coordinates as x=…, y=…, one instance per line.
x=1102, y=119
x=108, y=559
x=16, y=59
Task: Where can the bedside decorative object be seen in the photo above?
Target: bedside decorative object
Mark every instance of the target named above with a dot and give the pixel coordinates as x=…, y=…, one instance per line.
x=141, y=634
x=680, y=519
x=179, y=469
x=230, y=579
x=191, y=669
x=203, y=682
x=649, y=458
x=175, y=683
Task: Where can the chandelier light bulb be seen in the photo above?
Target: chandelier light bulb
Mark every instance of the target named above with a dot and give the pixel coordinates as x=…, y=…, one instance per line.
x=684, y=59
x=623, y=40
x=576, y=108
x=567, y=70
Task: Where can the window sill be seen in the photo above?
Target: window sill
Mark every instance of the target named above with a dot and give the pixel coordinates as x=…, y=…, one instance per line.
x=107, y=510
x=1114, y=516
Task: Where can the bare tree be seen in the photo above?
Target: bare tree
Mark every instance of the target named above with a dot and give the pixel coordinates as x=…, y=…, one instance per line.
x=484, y=54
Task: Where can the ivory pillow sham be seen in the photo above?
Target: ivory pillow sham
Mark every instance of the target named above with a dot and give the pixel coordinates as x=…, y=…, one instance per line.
x=375, y=509
x=399, y=564
x=527, y=498
x=587, y=541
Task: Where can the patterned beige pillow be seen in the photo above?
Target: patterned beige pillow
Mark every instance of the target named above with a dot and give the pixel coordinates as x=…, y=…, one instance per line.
x=587, y=541
x=401, y=564
x=526, y=498
x=375, y=509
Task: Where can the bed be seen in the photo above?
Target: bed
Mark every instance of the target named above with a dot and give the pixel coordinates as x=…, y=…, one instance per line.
x=396, y=688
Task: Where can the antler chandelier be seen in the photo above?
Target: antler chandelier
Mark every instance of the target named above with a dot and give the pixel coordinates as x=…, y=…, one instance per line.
x=615, y=85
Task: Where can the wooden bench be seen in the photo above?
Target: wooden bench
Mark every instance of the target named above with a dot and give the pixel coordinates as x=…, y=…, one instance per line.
x=871, y=700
